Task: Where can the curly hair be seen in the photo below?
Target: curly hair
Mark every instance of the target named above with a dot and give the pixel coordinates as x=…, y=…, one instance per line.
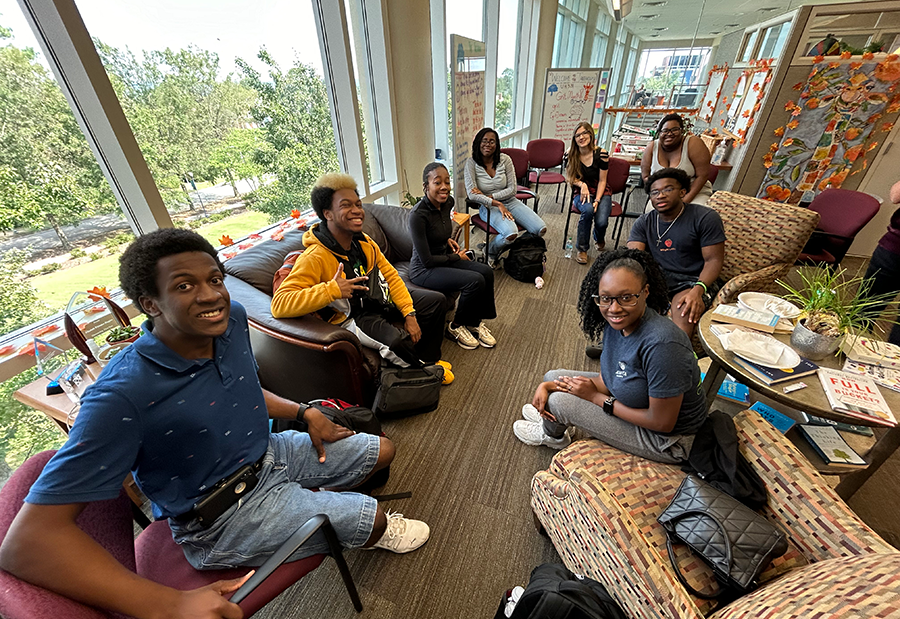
x=476, y=147
x=676, y=174
x=638, y=262
x=324, y=189
x=137, y=265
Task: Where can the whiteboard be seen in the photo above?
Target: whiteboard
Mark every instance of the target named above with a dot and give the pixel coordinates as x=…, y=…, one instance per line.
x=568, y=99
x=467, y=103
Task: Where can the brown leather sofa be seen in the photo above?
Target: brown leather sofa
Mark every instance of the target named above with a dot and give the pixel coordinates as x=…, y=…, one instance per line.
x=307, y=358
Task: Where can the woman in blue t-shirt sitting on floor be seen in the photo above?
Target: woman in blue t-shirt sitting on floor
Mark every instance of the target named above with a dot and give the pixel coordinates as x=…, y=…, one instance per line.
x=647, y=399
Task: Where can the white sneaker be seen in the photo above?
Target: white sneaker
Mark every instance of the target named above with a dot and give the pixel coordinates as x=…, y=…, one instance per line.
x=532, y=433
x=484, y=336
x=463, y=337
x=402, y=534
x=530, y=413
x=495, y=263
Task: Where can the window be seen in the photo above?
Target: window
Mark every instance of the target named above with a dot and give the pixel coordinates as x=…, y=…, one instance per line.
x=601, y=40
x=230, y=115
x=773, y=40
x=507, y=56
x=571, y=23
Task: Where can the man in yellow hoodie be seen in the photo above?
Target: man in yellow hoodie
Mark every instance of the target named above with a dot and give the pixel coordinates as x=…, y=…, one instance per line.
x=330, y=278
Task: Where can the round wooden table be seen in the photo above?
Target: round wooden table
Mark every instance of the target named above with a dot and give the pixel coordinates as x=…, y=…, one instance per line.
x=811, y=400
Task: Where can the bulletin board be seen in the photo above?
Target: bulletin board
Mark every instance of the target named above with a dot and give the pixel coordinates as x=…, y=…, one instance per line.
x=467, y=103
x=571, y=96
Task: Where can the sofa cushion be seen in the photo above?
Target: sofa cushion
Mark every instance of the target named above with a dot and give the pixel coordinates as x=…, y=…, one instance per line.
x=644, y=488
x=375, y=231
x=394, y=222
x=257, y=265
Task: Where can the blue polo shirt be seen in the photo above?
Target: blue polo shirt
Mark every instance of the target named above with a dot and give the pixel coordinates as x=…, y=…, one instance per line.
x=179, y=425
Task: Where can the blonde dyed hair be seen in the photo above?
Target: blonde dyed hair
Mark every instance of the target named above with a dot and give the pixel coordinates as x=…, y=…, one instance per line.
x=324, y=189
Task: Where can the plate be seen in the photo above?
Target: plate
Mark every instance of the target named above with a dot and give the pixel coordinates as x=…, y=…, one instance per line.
x=762, y=302
x=750, y=340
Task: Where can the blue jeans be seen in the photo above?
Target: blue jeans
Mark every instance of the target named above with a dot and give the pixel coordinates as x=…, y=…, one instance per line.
x=884, y=267
x=600, y=219
x=252, y=529
x=508, y=230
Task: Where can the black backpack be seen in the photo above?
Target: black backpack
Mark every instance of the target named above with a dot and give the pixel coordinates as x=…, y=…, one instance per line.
x=526, y=258
x=556, y=593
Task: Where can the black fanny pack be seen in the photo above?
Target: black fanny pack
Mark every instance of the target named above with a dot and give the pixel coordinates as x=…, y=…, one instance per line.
x=223, y=495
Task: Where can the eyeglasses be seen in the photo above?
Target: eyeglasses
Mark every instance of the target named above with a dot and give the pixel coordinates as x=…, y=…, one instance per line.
x=489, y=141
x=624, y=300
x=658, y=192
x=582, y=134
x=674, y=131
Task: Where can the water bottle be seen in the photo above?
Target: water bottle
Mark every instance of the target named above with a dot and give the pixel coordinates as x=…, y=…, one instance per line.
x=569, y=247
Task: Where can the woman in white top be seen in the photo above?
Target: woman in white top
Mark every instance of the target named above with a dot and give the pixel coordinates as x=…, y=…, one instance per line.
x=674, y=149
x=491, y=182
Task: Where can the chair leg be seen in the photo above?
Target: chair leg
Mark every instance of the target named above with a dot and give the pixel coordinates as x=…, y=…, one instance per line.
x=487, y=236
x=566, y=233
x=337, y=553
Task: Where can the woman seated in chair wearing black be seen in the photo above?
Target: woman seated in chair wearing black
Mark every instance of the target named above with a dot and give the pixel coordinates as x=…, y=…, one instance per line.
x=586, y=170
x=438, y=262
x=647, y=399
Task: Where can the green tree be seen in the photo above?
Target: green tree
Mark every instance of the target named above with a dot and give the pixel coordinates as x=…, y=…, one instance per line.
x=48, y=174
x=23, y=431
x=503, y=120
x=238, y=157
x=292, y=110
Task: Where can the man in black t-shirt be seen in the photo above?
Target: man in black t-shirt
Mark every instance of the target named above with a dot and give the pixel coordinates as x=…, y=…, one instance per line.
x=688, y=242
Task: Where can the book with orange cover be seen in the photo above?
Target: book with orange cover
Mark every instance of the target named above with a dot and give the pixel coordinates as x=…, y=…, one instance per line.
x=856, y=396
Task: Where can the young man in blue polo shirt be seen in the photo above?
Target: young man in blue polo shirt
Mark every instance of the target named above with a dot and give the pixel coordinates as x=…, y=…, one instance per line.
x=688, y=242
x=182, y=409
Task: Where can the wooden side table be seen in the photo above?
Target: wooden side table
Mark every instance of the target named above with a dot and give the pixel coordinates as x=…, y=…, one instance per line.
x=463, y=220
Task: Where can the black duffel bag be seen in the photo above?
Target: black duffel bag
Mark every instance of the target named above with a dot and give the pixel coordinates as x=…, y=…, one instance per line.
x=554, y=592
x=408, y=391
x=526, y=258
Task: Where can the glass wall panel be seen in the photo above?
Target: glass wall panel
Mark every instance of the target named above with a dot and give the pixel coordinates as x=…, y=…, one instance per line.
x=507, y=72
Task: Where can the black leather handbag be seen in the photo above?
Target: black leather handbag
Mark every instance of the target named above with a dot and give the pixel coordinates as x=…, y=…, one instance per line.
x=734, y=540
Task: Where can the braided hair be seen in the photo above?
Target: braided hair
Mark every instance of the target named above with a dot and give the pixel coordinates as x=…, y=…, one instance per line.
x=638, y=262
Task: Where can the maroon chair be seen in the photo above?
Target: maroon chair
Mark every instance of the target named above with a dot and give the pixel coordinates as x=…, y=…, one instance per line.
x=617, y=181
x=713, y=174
x=843, y=213
x=154, y=555
x=543, y=155
x=519, y=158
x=484, y=226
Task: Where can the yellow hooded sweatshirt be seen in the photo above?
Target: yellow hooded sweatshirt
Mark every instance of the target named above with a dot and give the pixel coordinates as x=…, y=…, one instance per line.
x=310, y=286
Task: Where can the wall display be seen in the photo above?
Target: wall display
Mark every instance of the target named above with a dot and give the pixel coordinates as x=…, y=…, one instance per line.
x=748, y=96
x=467, y=92
x=716, y=79
x=836, y=120
x=570, y=97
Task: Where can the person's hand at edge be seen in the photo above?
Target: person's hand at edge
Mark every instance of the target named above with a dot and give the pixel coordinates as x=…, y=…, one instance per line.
x=322, y=430
x=208, y=602
x=412, y=327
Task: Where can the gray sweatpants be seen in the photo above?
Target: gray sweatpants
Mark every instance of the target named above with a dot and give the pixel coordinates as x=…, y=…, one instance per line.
x=570, y=410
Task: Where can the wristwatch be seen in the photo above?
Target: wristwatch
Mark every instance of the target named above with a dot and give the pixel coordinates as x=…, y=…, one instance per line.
x=412, y=313
x=301, y=411
x=608, y=405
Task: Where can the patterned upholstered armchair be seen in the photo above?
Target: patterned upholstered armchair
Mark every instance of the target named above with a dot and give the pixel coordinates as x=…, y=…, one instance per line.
x=599, y=505
x=763, y=240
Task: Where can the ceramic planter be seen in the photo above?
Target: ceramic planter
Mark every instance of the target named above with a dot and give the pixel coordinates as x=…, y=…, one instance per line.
x=813, y=345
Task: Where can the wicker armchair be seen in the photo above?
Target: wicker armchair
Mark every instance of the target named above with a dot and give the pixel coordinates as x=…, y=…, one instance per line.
x=763, y=240
x=599, y=505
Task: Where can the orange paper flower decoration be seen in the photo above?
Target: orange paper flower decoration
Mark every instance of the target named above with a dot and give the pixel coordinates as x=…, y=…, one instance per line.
x=887, y=127
x=793, y=125
x=855, y=65
x=779, y=131
x=6, y=350
x=872, y=146
x=818, y=59
x=852, y=133
x=833, y=65
x=853, y=154
x=767, y=160
x=225, y=240
x=846, y=55
x=778, y=193
x=798, y=86
x=887, y=71
x=789, y=106
x=278, y=236
x=789, y=141
x=812, y=103
x=44, y=330
x=96, y=292
x=295, y=213
x=868, y=56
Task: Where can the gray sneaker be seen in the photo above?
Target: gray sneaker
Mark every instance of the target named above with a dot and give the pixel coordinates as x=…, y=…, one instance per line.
x=402, y=534
x=463, y=337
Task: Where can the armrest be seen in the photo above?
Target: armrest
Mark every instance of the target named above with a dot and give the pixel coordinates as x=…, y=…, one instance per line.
x=762, y=280
x=596, y=536
x=801, y=503
x=294, y=542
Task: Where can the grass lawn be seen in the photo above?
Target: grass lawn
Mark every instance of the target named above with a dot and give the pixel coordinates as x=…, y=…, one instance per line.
x=55, y=289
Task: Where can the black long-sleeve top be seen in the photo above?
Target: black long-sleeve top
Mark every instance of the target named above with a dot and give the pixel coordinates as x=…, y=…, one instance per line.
x=430, y=228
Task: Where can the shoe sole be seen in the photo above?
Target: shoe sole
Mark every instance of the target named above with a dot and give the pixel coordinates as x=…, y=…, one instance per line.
x=480, y=343
x=459, y=342
x=541, y=443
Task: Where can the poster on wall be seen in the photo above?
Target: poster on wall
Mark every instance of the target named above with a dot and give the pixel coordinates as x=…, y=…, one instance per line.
x=570, y=97
x=717, y=78
x=838, y=116
x=742, y=111
x=467, y=92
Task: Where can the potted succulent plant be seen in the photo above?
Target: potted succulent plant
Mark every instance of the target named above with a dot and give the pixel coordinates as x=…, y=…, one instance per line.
x=834, y=305
x=123, y=334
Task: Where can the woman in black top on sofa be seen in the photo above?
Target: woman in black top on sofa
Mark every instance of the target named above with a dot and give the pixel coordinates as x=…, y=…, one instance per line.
x=438, y=262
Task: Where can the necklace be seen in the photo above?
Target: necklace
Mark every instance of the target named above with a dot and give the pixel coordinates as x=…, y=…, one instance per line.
x=659, y=237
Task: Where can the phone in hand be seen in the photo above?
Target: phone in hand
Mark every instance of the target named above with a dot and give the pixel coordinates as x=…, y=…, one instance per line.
x=470, y=254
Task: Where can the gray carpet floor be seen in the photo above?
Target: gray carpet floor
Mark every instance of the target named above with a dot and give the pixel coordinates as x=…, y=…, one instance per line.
x=470, y=477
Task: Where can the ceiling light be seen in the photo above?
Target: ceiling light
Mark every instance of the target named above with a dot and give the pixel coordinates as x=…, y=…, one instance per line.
x=716, y=32
x=653, y=16
x=731, y=25
x=619, y=8
x=661, y=3
x=653, y=36
x=767, y=9
x=660, y=29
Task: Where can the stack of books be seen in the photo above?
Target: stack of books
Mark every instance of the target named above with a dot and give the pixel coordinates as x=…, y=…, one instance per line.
x=761, y=321
x=877, y=360
x=830, y=445
x=773, y=376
